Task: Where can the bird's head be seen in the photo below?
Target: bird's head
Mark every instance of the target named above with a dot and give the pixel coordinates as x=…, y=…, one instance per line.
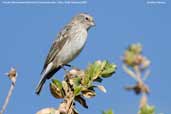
x=84, y=20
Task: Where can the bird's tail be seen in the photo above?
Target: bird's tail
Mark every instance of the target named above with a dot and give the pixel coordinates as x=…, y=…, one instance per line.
x=40, y=84
x=46, y=74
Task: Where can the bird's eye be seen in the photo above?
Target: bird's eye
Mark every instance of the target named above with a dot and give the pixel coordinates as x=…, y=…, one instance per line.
x=86, y=18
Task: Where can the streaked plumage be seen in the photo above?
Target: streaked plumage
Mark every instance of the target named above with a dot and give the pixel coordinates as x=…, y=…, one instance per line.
x=66, y=47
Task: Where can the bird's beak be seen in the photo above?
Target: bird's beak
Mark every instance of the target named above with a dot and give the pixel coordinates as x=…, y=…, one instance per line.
x=93, y=23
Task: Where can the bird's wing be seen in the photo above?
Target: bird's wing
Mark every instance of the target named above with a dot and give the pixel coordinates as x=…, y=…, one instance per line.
x=57, y=45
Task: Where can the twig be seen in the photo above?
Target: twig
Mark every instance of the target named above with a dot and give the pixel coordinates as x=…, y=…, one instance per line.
x=69, y=97
x=13, y=76
x=66, y=106
x=130, y=72
x=70, y=106
x=146, y=75
x=138, y=74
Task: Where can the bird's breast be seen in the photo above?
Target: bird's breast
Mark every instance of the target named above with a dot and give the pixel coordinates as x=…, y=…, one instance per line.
x=73, y=46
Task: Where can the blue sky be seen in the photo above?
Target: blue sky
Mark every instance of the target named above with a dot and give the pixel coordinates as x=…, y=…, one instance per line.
x=27, y=32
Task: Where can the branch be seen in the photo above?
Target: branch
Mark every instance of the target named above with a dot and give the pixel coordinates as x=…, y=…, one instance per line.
x=146, y=75
x=12, y=74
x=78, y=85
x=129, y=72
x=138, y=74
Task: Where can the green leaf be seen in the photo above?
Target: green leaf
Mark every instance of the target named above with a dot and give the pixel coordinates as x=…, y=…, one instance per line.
x=147, y=110
x=94, y=70
x=102, y=88
x=88, y=93
x=57, y=83
x=135, y=48
x=108, y=112
x=108, y=70
x=77, y=81
x=77, y=90
x=98, y=80
x=81, y=100
x=129, y=58
x=56, y=92
x=98, y=69
x=91, y=73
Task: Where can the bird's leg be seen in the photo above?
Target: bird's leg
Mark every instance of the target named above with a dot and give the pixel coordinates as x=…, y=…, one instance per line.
x=68, y=65
x=62, y=66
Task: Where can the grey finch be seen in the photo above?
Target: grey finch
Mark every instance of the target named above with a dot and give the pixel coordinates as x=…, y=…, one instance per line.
x=66, y=47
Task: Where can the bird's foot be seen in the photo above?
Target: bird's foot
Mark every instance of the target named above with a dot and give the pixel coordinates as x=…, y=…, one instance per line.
x=68, y=65
x=63, y=67
x=71, y=66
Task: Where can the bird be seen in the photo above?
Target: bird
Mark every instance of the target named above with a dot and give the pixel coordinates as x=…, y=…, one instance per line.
x=67, y=46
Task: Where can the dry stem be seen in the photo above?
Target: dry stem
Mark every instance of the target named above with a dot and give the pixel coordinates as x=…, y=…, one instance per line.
x=13, y=76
